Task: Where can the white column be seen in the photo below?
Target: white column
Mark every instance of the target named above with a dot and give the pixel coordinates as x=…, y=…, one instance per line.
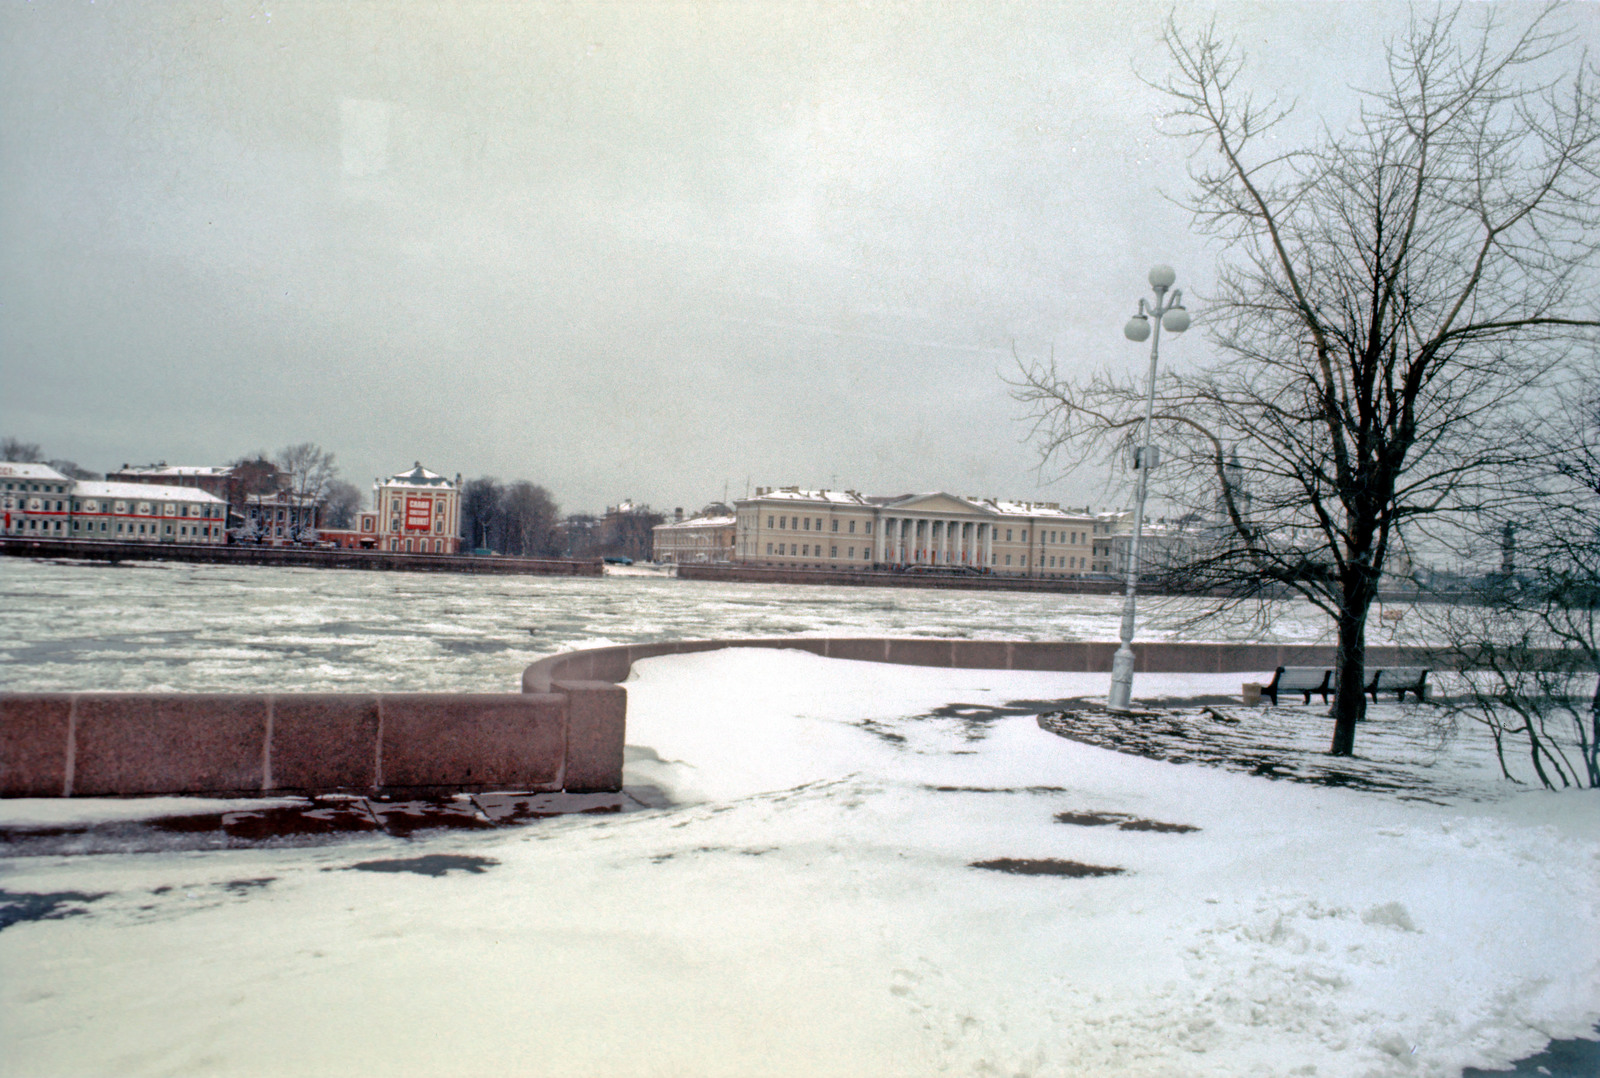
x=944, y=541
x=988, y=544
x=881, y=542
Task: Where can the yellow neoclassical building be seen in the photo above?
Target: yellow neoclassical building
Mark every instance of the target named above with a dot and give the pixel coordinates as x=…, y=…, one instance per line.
x=792, y=527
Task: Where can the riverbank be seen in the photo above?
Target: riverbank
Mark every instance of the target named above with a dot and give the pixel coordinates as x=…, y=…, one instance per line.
x=301, y=557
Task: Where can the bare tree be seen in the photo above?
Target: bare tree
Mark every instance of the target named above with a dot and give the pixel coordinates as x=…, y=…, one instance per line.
x=480, y=511
x=1388, y=295
x=20, y=452
x=530, y=517
x=340, y=504
x=310, y=469
x=1534, y=633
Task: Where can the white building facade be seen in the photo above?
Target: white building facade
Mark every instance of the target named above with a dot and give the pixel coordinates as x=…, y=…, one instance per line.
x=822, y=529
x=146, y=513
x=35, y=500
x=698, y=540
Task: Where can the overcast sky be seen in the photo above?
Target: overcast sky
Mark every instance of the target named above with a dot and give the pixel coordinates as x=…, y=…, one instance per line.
x=626, y=250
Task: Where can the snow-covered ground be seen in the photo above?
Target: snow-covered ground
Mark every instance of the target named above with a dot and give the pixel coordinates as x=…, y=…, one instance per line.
x=809, y=907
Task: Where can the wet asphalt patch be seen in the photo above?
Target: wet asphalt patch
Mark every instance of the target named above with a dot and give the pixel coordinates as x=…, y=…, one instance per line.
x=19, y=906
x=433, y=864
x=318, y=820
x=1123, y=821
x=1046, y=866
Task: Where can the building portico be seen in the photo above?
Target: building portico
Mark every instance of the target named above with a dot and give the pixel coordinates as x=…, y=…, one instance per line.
x=934, y=529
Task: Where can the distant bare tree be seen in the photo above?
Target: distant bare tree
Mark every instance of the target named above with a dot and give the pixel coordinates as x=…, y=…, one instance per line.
x=310, y=469
x=480, y=511
x=1535, y=632
x=530, y=517
x=627, y=530
x=20, y=452
x=340, y=504
x=1388, y=296
x=72, y=470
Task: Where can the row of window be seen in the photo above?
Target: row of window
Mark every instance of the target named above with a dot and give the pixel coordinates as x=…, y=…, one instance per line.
x=183, y=531
x=149, y=509
x=814, y=550
x=42, y=488
x=803, y=550
x=805, y=524
x=421, y=546
x=1072, y=538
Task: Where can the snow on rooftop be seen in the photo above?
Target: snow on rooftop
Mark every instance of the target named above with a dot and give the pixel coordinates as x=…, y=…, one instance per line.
x=142, y=492
x=28, y=470
x=180, y=469
x=799, y=494
x=697, y=522
x=418, y=476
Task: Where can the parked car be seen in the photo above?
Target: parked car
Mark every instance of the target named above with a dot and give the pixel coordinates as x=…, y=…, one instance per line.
x=618, y=559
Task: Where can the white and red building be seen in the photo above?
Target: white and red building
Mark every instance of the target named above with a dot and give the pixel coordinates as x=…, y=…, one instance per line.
x=415, y=512
x=146, y=513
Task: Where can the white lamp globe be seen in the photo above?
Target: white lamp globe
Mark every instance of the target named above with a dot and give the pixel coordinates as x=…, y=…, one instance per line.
x=1162, y=277
x=1176, y=320
x=1137, y=329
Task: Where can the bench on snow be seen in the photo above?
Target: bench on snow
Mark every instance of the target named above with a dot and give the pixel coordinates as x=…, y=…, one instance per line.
x=1400, y=680
x=1301, y=679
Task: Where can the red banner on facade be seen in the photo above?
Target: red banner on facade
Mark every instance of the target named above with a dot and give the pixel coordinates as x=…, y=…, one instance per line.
x=419, y=514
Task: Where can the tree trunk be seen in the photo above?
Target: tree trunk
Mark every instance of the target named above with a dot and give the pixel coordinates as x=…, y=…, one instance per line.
x=1350, y=666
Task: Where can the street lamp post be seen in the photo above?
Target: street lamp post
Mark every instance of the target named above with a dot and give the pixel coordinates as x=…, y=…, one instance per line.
x=1168, y=313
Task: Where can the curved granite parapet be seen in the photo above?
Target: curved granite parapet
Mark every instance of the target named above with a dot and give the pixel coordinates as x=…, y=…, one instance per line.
x=611, y=664
x=564, y=731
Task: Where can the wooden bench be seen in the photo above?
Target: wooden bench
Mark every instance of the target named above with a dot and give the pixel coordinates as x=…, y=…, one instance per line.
x=1400, y=680
x=1301, y=679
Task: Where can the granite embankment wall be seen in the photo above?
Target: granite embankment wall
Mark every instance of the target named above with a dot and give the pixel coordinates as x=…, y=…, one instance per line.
x=568, y=737
x=564, y=731
x=747, y=574
x=229, y=554
x=1089, y=656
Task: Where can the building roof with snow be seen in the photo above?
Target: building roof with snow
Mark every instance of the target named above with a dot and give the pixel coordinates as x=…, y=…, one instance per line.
x=178, y=470
x=12, y=469
x=418, y=476
x=142, y=492
x=799, y=494
x=696, y=522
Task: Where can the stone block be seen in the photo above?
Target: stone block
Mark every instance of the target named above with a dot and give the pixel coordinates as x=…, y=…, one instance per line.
x=324, y=742
x=148, y=743
x=919, y=652
x=859, y=649
x=33, y=743
x=597, y=715
x=982, y=654
x=471, y=741
x=1245, y=659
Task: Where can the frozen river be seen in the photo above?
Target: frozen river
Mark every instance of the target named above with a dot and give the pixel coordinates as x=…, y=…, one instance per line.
x=204, y=628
